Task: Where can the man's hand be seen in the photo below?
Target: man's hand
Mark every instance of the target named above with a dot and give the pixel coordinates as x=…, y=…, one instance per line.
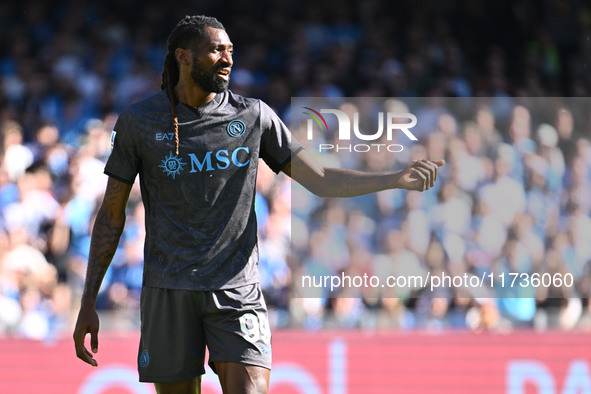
x=87, y=323
x=419, y=175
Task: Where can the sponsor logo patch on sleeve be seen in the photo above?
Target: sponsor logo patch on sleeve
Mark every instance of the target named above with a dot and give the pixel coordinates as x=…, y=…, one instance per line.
x=113, y=134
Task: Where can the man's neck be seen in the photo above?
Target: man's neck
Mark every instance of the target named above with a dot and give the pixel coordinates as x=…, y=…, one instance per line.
x=191, y=94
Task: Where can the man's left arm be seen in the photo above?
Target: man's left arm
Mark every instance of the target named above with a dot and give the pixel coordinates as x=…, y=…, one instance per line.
x=336, y=182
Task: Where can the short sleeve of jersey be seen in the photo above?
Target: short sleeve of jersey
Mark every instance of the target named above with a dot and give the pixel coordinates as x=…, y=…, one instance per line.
x=277, y=143
x=123, y=163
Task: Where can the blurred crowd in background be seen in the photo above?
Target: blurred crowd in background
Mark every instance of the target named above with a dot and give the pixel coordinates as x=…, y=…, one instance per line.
x=513, y=198
x=515, y=192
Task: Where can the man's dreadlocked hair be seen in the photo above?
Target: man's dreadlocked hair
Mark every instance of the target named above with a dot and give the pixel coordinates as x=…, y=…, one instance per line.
x=188, y=31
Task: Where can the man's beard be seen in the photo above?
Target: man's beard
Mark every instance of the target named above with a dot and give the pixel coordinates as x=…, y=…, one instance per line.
x=208, y=80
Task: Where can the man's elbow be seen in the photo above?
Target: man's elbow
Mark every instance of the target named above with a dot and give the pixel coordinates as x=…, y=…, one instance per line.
x=317, y=185
x=314, y=180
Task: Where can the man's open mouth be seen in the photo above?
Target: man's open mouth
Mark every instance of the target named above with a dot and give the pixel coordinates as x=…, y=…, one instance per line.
x=224, y=73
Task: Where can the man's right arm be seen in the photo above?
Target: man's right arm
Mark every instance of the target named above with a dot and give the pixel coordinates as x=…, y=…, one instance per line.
x=336, y=182
x=106, y=232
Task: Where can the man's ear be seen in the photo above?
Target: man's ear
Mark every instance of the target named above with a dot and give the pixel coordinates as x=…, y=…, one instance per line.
x=182, y=56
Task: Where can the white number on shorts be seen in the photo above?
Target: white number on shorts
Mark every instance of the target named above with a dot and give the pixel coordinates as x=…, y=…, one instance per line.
x=265, y=330
x=255, y=327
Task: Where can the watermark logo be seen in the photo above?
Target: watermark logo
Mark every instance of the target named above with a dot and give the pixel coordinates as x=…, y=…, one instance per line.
x=316, y=115
x=172, y=165
x=388, y=123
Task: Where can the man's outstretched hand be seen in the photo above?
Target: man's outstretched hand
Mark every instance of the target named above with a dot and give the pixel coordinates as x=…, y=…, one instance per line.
x=87, y=323
x=419, y=175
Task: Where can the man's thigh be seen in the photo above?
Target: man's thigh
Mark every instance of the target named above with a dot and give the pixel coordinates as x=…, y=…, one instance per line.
x=192, y=386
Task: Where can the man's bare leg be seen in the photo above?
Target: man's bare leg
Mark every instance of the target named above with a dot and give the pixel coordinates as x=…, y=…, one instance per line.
x=237, y=378
x=192, y=386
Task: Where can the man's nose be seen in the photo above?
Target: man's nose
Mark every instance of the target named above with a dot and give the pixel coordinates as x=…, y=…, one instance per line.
x=227, y=58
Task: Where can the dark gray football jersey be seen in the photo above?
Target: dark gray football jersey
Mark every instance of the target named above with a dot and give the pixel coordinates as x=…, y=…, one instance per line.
x=201, y=231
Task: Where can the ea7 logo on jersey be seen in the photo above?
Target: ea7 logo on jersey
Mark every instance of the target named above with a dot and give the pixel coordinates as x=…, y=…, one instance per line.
x=164, y=136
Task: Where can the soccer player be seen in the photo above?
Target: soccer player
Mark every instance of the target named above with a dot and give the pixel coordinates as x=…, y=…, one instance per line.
x=195, y=146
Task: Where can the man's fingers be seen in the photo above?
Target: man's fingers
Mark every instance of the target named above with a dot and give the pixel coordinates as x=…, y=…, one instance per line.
x=89, y=359
x=432, y=167
x=422, y=178
x=82, y=353
x=86, y=356
x=438, y=163
x=425, y=169
x=94, y=341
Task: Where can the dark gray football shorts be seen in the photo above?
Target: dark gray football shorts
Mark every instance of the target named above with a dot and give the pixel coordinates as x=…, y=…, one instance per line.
x=177, y=325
